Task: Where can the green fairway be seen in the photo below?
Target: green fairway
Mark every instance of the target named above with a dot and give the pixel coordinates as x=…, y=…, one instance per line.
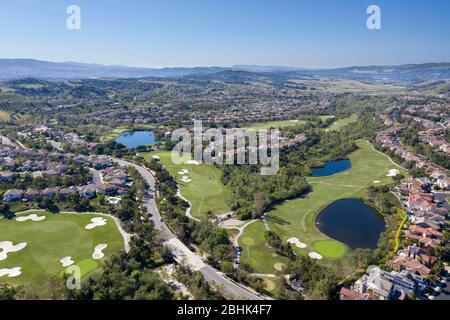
x=256, y=253
x=330, y=248
x=48, y=241
x=340, y=123
x=296, y=218
x=205, y=192
x=275, y=124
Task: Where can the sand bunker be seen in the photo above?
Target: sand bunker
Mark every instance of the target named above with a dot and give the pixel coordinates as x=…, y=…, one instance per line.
x=315, y=255
x=185, y=179
x=184, y=171
x=393, y=173
x=32, y=217
x=14, y=272
x=7, y=247
x=96, y=222
x=279, y=266
x=297, y=242
x=66, y=261
x=193, y=162
x=98, y=251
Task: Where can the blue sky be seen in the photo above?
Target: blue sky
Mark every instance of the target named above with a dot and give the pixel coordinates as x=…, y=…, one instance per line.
x=157, y=33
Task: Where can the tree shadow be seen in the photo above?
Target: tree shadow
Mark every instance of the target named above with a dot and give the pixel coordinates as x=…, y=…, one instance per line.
x=278, y=220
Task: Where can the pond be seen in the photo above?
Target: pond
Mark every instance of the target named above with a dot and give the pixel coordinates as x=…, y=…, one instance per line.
x=352, y=222
x=331, y=168
x=132, y=139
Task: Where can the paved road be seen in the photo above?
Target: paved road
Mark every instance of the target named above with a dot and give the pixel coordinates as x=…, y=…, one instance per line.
x=183, y=253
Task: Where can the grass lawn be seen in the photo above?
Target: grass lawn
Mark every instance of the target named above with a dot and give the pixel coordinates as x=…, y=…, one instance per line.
x=340, y=123
x=275, y=124
x=256, y=253
x=205, y=192
x=330, y=248
x=296, y=218
x=4, y=116
x=58, y=236
x=113, y=134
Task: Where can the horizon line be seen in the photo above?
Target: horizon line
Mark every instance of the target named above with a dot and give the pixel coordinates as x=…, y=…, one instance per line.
x=229, y=66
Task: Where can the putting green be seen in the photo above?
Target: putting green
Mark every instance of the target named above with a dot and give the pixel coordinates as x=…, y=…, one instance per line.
x=330, y=248
x=205, y=191
x=48, y=241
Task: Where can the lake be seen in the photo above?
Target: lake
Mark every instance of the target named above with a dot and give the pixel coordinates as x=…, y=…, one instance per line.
x=331, y=168
x=132, y=139
x=352, y=222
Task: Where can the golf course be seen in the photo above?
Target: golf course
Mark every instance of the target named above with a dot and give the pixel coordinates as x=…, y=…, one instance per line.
x=275, y=124
x=199, y=183
x=340, y=123
x=38, y=246
x=295, y=219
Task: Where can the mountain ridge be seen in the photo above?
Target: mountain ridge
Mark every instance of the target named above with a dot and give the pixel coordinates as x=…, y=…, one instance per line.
x=11, y=69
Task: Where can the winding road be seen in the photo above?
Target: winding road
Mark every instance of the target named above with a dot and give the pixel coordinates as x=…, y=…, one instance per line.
x=180, y=251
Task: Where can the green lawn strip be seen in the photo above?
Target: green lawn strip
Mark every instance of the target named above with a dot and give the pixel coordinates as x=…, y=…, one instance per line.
x=404, y=216
x=330, y=248
x=297, y=217
x=205, y=192
x=256, y=252
x=58, y=236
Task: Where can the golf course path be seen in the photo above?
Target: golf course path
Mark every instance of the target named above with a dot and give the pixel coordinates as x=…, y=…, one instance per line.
x=241, y=231
x=390, y=159
x=188, y=210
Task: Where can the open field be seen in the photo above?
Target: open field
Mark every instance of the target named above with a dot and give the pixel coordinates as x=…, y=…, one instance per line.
x=275, y=124
x=205, y=191
x=340, y=123
x=296, y=218
x=48, y=241
x=4, y=116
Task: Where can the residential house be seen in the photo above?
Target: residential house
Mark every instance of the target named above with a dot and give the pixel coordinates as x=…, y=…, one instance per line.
x=400, y=263
x=50, y=193
x=32, y=194
x=348, y=294
x=13, y=195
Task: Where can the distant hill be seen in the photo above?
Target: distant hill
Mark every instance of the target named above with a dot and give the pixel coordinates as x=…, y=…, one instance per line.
x=28, y=68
